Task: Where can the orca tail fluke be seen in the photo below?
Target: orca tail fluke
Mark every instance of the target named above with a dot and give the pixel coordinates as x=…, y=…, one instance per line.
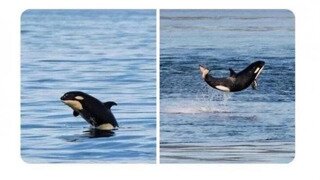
x=204, y=71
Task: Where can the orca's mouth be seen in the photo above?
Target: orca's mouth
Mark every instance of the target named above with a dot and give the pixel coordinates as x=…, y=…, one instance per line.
x=75, y=105
x=65, y=100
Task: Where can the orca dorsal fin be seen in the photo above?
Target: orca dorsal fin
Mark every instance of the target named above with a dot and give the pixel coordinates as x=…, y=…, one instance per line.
x=232, y=72
x=75, y=113
x=109, y=104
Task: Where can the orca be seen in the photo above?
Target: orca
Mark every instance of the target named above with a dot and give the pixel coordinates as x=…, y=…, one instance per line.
x=95, y=112
x=236, y=81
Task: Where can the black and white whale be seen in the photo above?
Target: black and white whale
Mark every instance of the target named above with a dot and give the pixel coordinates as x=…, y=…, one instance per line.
x=95, y=112
x=236, y=81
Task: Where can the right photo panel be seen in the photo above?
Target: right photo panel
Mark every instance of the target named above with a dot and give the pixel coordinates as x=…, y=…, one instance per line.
x=227, y=86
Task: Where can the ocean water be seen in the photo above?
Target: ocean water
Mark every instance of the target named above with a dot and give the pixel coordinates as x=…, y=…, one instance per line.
x=110, y=54
x=199, y=124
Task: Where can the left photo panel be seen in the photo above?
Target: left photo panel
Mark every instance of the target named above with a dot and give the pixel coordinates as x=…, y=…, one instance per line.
x=88, y=86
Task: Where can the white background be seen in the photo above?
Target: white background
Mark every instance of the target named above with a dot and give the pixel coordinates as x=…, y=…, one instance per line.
x=304, y=166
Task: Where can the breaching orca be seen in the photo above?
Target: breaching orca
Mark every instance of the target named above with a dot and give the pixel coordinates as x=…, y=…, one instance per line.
x=95, y=112
x=236, y=81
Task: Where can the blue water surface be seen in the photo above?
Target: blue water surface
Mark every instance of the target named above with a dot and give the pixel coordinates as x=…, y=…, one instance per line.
x=109, y=54
x=199, y=124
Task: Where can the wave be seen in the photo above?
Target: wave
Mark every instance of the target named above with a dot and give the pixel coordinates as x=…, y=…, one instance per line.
x=203, y=103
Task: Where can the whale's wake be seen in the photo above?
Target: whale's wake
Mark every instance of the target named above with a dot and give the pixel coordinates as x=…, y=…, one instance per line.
x=205, y=101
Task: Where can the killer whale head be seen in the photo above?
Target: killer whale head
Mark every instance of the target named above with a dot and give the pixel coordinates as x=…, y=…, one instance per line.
x=95, y=112
x=250, y=74
x=255, y=68
x=73, y=99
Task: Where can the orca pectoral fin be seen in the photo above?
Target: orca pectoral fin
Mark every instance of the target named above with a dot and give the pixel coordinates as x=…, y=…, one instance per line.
x=254, y=85
x=232, y=73
x=109, y=104
x=75, y=113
